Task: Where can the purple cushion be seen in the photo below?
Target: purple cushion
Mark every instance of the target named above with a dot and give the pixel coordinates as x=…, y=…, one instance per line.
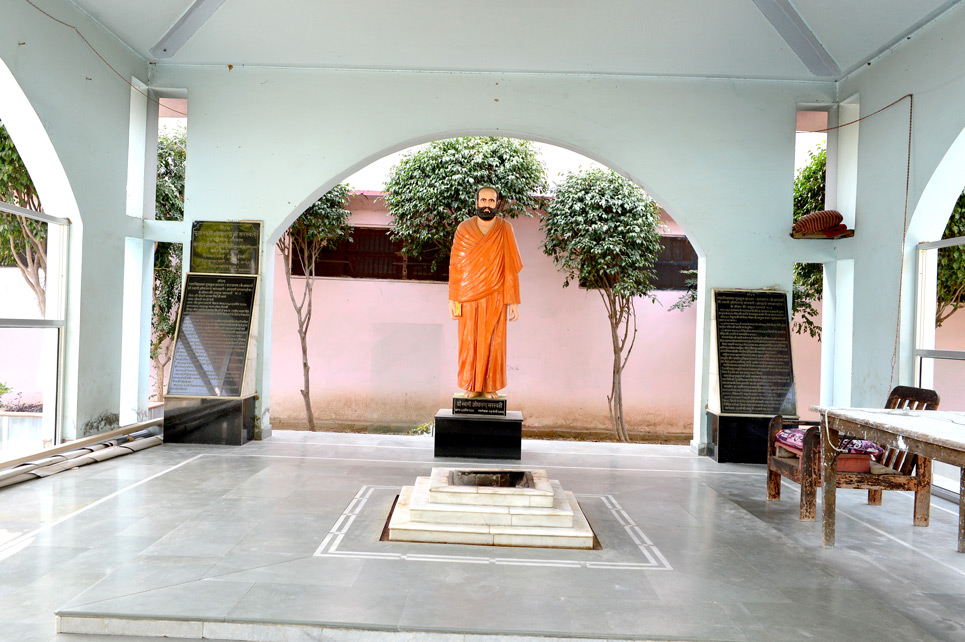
x=794, y=438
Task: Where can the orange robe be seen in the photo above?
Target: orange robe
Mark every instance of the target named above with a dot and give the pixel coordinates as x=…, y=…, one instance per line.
x=484, y=279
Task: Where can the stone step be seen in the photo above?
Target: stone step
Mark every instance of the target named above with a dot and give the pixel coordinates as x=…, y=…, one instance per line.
x=403, y=528
x=441, y=491
x=422, y=509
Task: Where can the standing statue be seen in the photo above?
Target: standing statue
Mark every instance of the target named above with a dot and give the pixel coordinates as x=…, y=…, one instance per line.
x=484, y=294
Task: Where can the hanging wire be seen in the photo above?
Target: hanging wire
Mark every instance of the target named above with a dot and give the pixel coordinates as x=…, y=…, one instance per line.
x=104, y=60
x=904, y=226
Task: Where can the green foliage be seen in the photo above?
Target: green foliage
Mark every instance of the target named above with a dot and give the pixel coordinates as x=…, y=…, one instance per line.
x=809, y=185
x=4, y=388
x=169, y=195
x=23, y=241
x=689, y=296
x=951, y=266
x=808, y=277
x=169, y=206
x=322, y=225
x=601, y=230
x=422, y=429
x=434, y=189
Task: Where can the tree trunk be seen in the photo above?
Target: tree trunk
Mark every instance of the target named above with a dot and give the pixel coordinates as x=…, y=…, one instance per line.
x=615, y=399
x=159, y=380
x=303, y=311
x=616, y=315
x=306, y=390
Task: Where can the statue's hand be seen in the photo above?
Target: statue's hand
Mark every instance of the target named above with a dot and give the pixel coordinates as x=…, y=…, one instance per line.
x=512, y=311
x=454, y=310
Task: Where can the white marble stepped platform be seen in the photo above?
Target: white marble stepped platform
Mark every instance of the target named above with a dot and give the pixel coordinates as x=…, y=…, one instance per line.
x=540, y=514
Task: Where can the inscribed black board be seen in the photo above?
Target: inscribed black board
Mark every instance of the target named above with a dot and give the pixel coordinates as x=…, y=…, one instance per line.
x=225, y=247
x=754, y=353
x=212, y=341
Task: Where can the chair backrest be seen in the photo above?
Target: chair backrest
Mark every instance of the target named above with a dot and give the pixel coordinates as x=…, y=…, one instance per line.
x=906, y=398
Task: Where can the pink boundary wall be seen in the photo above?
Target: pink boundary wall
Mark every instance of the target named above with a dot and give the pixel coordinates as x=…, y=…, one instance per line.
x=384, y=352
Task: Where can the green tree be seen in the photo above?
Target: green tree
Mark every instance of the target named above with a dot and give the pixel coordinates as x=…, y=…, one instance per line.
x=434, y=189
x=951, y=267
x=322, y=225
x=808, y=277
x=169, y=206
x=23, y=241
x=602, y=231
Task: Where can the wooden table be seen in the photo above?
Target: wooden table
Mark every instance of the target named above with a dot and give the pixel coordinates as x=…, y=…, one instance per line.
x=933, y=434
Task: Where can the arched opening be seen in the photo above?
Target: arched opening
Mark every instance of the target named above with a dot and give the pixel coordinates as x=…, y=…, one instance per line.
x=37, y=230
x=939, y=328
x=386, y=359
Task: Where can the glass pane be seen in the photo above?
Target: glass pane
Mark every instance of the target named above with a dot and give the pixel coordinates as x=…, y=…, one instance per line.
x=22, y=268
x=950, y=335
x=28, y=381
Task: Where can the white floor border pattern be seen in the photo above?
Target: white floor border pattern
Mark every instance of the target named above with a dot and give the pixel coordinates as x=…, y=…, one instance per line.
x=330, y=544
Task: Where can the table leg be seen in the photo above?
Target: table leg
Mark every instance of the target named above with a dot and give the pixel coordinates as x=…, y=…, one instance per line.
x=961, y=514
x=829, y=471
x=923, y=491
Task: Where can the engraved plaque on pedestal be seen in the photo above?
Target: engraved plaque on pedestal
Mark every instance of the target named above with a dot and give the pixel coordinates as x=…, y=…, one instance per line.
x=211, y=347
x=755, y=372
x=463, y=405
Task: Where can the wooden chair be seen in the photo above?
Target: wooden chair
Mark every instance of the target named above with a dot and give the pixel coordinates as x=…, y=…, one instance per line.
x=892, y=470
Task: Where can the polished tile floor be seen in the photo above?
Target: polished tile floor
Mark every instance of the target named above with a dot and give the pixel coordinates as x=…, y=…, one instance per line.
x=228, y=542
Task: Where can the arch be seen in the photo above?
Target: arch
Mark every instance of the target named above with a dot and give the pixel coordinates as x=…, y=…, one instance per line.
x=36, y=149
x=934, y=208
x=276, y=232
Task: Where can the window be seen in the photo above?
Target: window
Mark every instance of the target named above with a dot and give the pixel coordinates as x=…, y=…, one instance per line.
x=676, y=256
x=372, y=254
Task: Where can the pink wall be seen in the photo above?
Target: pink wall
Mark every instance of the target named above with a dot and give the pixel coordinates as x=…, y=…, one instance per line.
x=950, y=375
x=385, y=351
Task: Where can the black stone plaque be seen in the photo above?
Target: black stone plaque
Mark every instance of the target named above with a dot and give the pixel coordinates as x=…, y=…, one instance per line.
x=478, y=437
x=212, y=340
x=462, y=405
x=754, y=353
x=225, y=247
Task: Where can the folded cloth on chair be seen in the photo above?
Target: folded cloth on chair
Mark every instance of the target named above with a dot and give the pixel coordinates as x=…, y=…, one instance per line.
x=794, y=437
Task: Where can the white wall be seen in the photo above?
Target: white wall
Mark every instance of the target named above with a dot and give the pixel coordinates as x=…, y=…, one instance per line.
x=264, y=143
x=718, y=155
x=929, y=66
x=81, y=112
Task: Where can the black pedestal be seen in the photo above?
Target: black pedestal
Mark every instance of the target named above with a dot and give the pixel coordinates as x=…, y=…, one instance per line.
x=479, y=436
x=737, y=439
x=226, y=422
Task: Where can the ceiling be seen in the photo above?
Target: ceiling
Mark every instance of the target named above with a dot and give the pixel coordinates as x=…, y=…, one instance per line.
x=768, y=39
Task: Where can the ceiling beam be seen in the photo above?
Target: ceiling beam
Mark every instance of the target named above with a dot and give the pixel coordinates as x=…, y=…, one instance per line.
x=186, y=26
x=799, y=37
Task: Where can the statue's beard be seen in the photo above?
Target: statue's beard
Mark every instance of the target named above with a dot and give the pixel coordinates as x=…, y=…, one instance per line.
x=485, y=213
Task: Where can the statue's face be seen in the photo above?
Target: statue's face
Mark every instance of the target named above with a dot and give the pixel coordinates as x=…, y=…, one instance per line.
x=486, y=202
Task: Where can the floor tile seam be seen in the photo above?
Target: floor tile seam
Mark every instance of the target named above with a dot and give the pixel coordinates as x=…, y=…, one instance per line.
x=75, y=607
x=887, y=535
x=47, y=526
x=463, y=464
x=859, y=616
x=901, y=542
x=525, y=442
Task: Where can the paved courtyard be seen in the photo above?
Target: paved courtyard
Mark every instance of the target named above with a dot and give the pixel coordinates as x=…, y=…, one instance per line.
x=280, y=540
